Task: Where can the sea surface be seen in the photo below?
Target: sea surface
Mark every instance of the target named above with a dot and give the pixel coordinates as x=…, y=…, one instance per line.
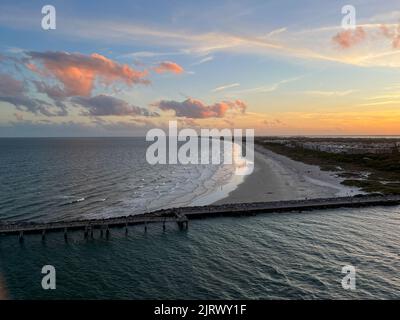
x=271, y=256
x=268, y=256
x=78, y=178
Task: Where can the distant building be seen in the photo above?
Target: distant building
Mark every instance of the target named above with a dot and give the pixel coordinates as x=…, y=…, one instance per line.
x=340, y=147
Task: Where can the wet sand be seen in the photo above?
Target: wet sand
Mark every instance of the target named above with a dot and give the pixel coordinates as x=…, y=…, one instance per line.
x=276, y=177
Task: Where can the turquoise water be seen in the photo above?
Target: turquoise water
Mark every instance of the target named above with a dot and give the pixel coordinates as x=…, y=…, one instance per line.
x=271, y=256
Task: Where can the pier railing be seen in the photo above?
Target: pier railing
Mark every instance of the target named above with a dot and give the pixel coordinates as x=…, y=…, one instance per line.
x=181, y=216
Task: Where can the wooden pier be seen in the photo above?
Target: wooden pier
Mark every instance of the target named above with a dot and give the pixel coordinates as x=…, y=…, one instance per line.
x=181, y=216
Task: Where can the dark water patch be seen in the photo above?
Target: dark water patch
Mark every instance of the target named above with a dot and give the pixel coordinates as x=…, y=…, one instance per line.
x=288, y=256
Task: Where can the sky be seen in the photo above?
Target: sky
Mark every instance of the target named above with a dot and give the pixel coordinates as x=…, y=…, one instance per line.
x=120, y=68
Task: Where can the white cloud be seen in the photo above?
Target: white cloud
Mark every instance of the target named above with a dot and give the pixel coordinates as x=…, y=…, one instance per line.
x=149, y=54
x=276, y=32
x=329, y=93
x=224, y=87
x=268, y=88
x=314, y=44
x=204, y=60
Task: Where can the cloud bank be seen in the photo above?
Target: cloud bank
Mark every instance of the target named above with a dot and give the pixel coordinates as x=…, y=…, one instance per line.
x=103, y=105
x=192, y=108
x=78, y=72
x=13, y=91
x=10, y=86
x=71, y=78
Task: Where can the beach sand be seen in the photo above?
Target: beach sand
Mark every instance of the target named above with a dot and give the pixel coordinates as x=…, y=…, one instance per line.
x=276, y=177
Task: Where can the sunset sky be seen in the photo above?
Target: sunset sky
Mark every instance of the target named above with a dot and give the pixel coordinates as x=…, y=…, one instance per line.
x=119, y=68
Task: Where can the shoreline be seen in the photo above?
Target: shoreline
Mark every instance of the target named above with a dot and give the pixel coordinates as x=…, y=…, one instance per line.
x=277, y=177
x=222, y=188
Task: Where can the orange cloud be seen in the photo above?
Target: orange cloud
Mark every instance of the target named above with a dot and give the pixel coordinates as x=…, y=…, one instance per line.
x=78, y=72
x=168, y=66
x=348, y=38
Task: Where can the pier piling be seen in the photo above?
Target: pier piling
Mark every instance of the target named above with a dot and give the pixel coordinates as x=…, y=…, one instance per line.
x=181, y=220
x=86, y=232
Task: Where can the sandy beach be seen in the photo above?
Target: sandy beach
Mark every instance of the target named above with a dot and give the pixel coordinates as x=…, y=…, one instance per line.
x=276, y=177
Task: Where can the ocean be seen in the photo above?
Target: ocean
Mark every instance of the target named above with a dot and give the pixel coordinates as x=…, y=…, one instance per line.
x=54, y=179
x=268, y=256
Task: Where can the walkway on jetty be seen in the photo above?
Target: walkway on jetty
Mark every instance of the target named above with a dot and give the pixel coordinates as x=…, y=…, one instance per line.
x=181, y=216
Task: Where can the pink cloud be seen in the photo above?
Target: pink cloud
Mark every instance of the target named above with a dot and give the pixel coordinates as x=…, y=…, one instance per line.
x=386, y=31
x=168, y=66
x=192, y=108
x=78, y=72
x=394, y=36
x=396, y=42
x=349, y=38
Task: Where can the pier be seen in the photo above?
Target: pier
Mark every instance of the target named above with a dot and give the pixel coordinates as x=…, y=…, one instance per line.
x=181, y=216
